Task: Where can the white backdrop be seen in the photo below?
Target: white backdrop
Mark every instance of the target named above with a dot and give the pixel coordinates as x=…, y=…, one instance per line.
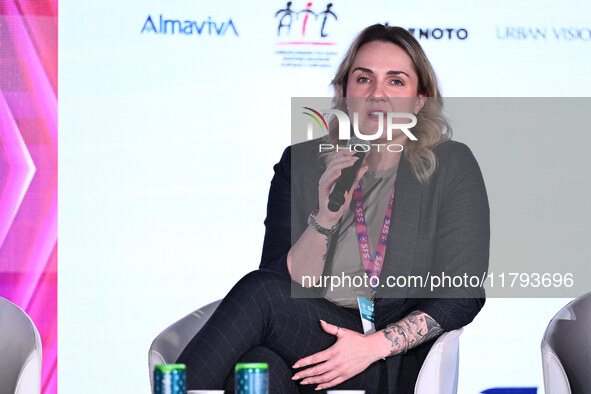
x=167, y=143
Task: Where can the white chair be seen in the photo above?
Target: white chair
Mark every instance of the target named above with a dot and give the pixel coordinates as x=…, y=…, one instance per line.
x=438, y=375
x=167, y=346
x=566, y=349
x=20, y=351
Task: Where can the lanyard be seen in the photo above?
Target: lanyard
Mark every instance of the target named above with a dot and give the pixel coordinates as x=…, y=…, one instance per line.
x=372, y=266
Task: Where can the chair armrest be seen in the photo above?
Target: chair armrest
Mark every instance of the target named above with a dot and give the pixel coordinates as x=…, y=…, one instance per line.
x=439, y=373
x=555, y=378
x=167, y=346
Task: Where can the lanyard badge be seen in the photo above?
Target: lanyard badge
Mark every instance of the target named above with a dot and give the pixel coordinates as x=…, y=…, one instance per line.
x=371, y=265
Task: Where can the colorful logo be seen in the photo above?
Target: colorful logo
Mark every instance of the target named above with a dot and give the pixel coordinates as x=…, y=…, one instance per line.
x=287, y=16
x=304, y=36
x=317, y=116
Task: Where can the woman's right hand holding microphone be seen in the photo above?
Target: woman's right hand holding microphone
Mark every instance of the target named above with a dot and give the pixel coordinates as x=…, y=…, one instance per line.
x=341, y=160
x=306, y=258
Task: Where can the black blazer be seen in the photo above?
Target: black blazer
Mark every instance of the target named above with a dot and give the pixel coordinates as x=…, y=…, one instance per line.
x=442, y=226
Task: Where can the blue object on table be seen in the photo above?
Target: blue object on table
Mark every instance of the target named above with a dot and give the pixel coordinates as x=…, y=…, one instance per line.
x=511, y=390
x=170, y=379
x=252, y=378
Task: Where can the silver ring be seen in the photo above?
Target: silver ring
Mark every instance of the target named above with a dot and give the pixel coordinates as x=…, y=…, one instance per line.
x=338, y=329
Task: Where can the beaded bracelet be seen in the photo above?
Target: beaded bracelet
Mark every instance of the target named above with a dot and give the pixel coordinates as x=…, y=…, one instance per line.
x=322, y=230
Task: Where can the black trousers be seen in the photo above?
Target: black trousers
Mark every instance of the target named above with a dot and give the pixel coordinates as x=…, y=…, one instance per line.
x=259, y=321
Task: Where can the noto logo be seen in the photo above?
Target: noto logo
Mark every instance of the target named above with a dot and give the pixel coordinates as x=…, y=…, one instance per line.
x=392, y=119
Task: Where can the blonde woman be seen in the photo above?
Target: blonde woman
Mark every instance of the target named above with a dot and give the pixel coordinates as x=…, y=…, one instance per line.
x=425, y=210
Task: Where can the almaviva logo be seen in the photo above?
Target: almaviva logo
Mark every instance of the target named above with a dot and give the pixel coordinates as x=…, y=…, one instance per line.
x=189, y=27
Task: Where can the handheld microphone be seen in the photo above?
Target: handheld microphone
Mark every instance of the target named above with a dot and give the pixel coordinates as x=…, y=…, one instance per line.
x=341, y=188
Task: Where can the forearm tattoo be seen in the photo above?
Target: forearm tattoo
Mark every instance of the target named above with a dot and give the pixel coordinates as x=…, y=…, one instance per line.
x=396, y=338
x=419, y=328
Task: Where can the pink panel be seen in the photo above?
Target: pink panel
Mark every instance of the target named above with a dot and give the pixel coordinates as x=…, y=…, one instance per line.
x=28, y=167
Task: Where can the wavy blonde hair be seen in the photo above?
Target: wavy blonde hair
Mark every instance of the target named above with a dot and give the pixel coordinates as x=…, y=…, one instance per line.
x=432, y=127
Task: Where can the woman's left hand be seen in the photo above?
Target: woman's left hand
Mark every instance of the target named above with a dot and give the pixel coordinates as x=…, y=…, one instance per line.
x=350, y=355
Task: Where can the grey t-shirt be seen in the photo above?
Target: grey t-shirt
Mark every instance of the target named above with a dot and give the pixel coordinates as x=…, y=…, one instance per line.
x=347, y=263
